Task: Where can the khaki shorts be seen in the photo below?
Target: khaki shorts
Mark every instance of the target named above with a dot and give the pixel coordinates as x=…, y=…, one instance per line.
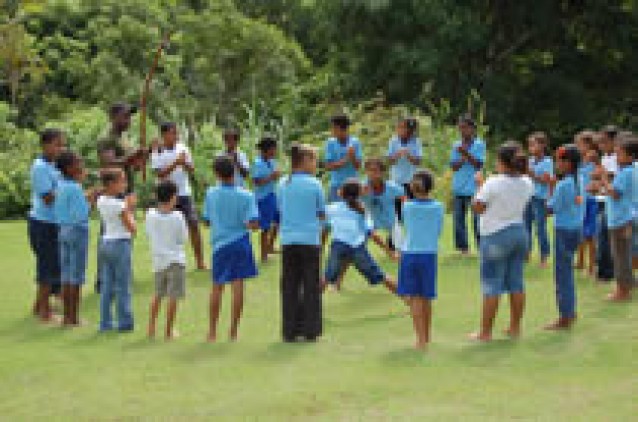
x=171, y=282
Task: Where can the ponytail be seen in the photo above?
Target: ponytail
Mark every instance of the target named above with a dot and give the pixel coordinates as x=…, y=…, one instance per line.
x=350, y=192
x=513, y=158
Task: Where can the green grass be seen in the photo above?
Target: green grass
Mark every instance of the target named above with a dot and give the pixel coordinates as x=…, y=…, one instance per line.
x=362, y=368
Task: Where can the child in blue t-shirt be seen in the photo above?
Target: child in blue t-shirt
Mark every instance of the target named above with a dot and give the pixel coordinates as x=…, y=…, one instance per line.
x=42, y=227
x=590, y=158
x=231, y=212
x=423, y=220
x=380, y=198
x=620, y=217
x=302, y=206
x=265, y=173
x=541, y=171
x=342, y=155
x=566, y=203
x=351, y=228
x=72, y=209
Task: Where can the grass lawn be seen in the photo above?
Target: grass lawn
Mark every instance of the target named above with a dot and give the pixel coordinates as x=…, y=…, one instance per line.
x=362, y=368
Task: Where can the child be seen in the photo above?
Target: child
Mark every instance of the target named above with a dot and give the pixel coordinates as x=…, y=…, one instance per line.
x=620, y=218
x=466, y=159
x=589, y=158
x=302, y=206
x=115, y=250
x=343, y=155
x=231, y=211
x=240, y=161
x=405, y=154
x=173, y=161
x=265, y=174
x=501, y=203
x=167, y=233
x=541, y=171
x=42, y=228
x=350, y=231
x=423, y=220
x=72, y=209
x=566, y=203
x=380, y=198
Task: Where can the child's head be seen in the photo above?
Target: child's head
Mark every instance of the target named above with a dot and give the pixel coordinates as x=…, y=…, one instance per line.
x=303, y=157
x=626, y=148
x=422, y=184
x=224, y=169
x=120, y=115
x=607, y=139
x=406, y=128
x=166, y=192
x=168, y=130
x=350, y=192
x=584, y=140
x=267, y=147
x=538, y=144
x=375, y=169
x=114, y=181
x=511, y=159
x=340, y=125
x=52, y=142
x=467, y=126
x=567, y=159
x=70, y=165
x=231, y=139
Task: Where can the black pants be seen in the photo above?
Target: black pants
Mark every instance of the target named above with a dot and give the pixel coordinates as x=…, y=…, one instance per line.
x=604, y=258
x=300, y=292
x=399, y=203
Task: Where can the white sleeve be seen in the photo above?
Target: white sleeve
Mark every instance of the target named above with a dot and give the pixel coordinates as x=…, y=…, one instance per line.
x=486, y=191
x=156, y=161
x=181, y=229
x=244, y=160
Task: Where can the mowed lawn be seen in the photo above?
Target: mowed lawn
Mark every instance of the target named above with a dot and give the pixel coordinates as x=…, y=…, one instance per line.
x=363, y=367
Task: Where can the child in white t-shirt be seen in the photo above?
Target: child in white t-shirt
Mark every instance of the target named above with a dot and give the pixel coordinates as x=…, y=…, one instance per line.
x=167, y=233
x=115, y=250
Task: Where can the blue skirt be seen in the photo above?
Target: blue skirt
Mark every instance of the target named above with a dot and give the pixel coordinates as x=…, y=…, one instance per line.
x=234, y=261
x=417, y=275
x=590, y=228
x=268, y=211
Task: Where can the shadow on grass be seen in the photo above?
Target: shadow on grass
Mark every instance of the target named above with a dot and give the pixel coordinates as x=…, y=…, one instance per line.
x=365, y=320
x=280, y=352
x=494, y=353
x=407, y=357
x=205, y=351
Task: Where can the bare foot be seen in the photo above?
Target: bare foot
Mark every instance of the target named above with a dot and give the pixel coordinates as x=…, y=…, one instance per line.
x=212, y=338
x=171, y=336
x=232, y=338
x=513, y=333
x=543, y=264
x=421, y=346
x=480, y=337
x=201, y=266
x=619, y=296
x=559, y=324
x=151, y=332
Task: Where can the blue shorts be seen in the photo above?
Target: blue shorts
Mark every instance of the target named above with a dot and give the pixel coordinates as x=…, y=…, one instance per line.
x=74, y=251
x=634, y=238
x=234, y=261
x=333, y=194
x=417, y=275
x=43, y=237
x=590, y=227
x=503, y=257
x=268, y=212
x=341, y=255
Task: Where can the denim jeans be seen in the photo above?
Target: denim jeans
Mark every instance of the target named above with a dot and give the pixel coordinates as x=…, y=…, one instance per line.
x=461, y=205
x=502, y=260
x=341, y=255
x=565, y=244
x=536, y=214
x=115, y=276
x=74, y=253
x=604, y=258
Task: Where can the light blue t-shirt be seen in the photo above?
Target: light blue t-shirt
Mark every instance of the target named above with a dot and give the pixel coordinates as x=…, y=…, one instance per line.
x=382, y=207
x=335, y=151
x=620, y=211
x=348, y=226
x=584, y=171
x=634, y=189
x=71, y=206
x=567, y=213
x=423, y=221
x=301, y=204
x=44, y=179
x=228, y=209
x=261, y=170
x=463, y=183
x=540, y=167
x=403, y=170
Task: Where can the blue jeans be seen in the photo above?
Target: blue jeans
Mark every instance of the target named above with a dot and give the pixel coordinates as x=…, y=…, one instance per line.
x=115, y=276
x=536, y=214
x=565, y=244
x=603, y=249
x=461, y=205
x=74, y=253
x=341, y=255
x=502, y=260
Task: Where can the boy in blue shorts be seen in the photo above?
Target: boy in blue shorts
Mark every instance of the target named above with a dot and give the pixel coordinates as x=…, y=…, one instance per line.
x=342, y=155
x=423, y=220
x=72, y=209
x=43, y=230
x=265, y=174
x=230, y=211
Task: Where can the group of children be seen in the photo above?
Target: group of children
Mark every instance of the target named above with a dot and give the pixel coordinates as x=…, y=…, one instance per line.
x=293, y=207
